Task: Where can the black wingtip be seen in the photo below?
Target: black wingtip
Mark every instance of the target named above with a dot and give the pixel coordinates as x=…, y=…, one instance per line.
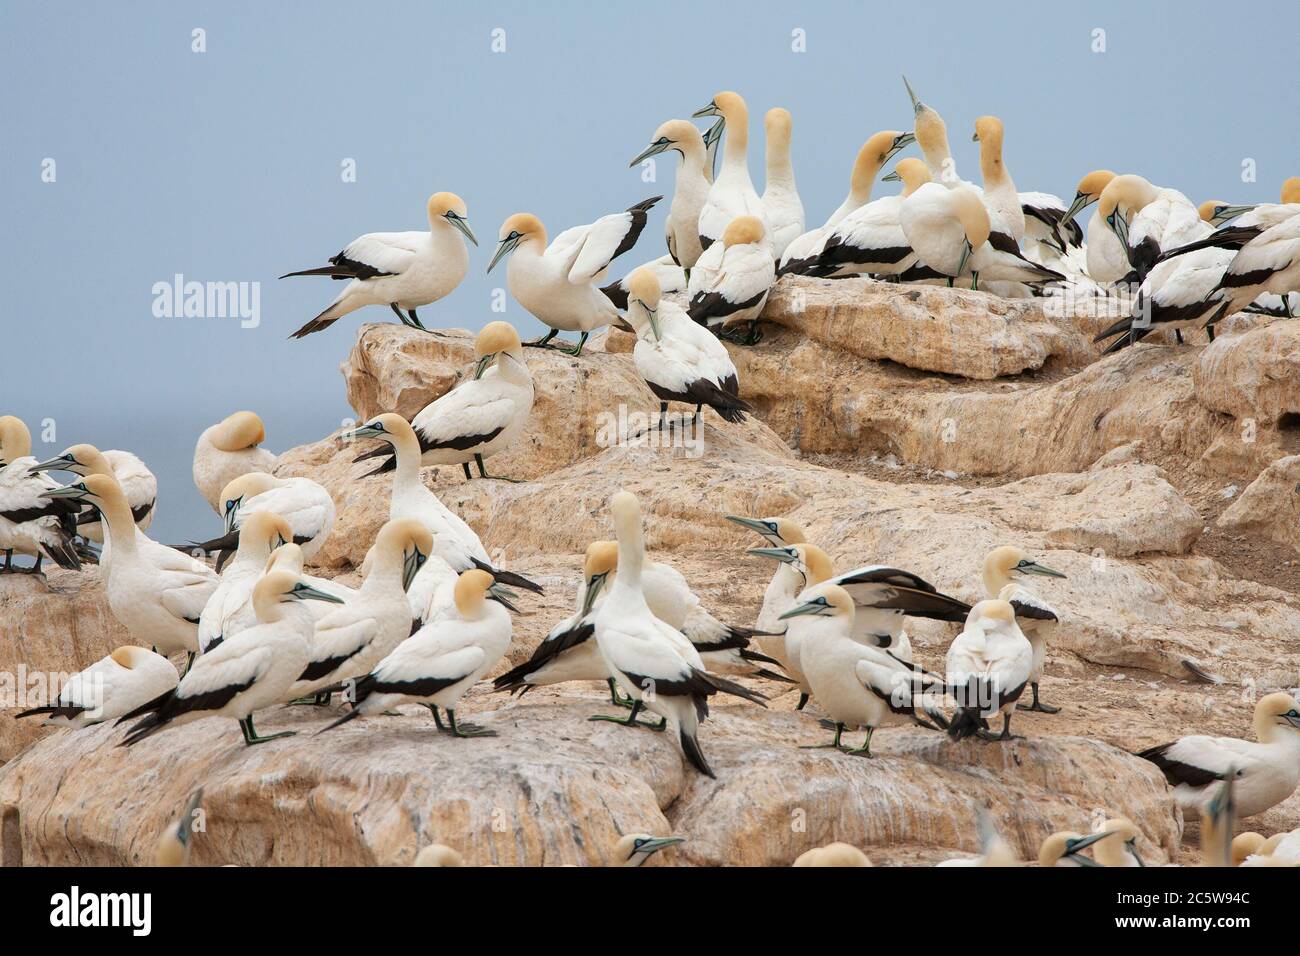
x=352, y=714
x=691, y=748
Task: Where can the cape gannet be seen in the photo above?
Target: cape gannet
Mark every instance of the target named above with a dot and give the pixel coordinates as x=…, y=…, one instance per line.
x=226, y=450
x=671, y=276
x=994, y=849
x=680, y=360
x=690, y=189
x=136, y=481
x=559, y=283
x=1000, y=194
x=248, y=672
x=109, y=688
x=1268, y=263
x=799, y=567
x=1106, y=258
x=782, y=206
x=177, y=840
x=1117, y=844
x=833, y=854
x=302, y=502
x=156, y=592
x=350, y=640
x=402, y=270
x=1066, y=849
x=635, y=848
x=479, y=417
x=932, y=137
x=858, y=686
x=732, y=194
x=30, y=522
x=1267, y=770
x=989, y=664
x=777, y=531
x=1148, y=220
x=1003, y=569
x=803, y=252
x=438, y=664
x=649, y=660
x=731, y=280
x=261, y=534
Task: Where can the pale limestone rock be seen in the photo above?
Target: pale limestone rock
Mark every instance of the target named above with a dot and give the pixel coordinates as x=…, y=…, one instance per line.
x=1270, y=506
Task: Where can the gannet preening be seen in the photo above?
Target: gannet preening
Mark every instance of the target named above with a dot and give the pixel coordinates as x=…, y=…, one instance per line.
x=859, y=687
x=776, y=531
x=732, y=194
x=351, y=640
x=731, y=280
x=438, y=664
x=303, y=503
x=690, y=189
x=230, y=608
x=248, y=672
x=1106, y=258
x=559, y=284
x=1116, y=844
x=1148, y=220
x=1066, y=848
x=955, y=234
x=1004, y=567
x=137, y=482
x=1000, y=194
x=650, y=661
x=833, y=854
x=802, y=253
x=226, y=450
x=799, y=567
x=402, y=270
x=781, y=204
x=176, y=841
x=680, y=360
x=30, y=522
x=109, y=688
x=479, y=417
x=989, y=664
x=1267, y=771
x=438, y=854
x=671, y=276
x=156, y=592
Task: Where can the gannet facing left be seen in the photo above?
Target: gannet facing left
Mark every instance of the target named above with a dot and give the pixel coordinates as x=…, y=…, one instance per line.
x=732, y=194
x=731, y=280
x=303, y=503
x=31, y=523
x=229, y=609
x=110, y=687
x=226, y=450
x=402, y=270
x=1003, y=567
x=781, y=203
x=559, y=283
x=137, y=482
x=989, y=664
x=690, y=189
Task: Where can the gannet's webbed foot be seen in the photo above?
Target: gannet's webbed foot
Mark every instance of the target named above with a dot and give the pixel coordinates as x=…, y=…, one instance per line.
x=834, y=744
x=577, y=350
x=754, y=335
x=402, y=315
x=803, y=699
x=544, y=341
x=250, y=733
x=415, y=321
x=865, y=749
x=1005, y=735
x=467, y=729
x=1037, y=704
x=437, y=718
x=631, y=719
x=617, y=699
x=482, y=472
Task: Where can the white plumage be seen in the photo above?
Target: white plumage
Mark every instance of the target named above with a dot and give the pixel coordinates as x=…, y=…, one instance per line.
x=227, y=450
x=303, y=503
x=127, y=678
x=988, y=666
x=690, y=188
x=732, y=193
x=731, y=280
x=229, y=610
x=782, y=207
x=30, y=522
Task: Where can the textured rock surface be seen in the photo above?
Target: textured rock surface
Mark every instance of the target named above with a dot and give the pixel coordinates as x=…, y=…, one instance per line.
x=1270, y=506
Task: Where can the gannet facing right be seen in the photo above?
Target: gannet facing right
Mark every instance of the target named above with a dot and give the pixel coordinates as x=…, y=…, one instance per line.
x=1267, y=770
x=731, y=280
x=781, y=204
x=989, y=664
x=690, y=190
x=227, y=450
x=31, y=523
x=1037, y=619
x=402, y=270
x=732, y=194
x=109, y=688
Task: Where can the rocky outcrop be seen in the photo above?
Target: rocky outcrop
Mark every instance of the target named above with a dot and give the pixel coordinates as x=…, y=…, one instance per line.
x=1270, y=506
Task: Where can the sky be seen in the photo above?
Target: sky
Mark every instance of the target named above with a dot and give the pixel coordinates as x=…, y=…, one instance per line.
x=130, y=157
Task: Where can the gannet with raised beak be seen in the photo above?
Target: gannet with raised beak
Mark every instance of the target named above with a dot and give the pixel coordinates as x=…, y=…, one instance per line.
x=932, y=137
x=1066, y=848
x=989, y=664
x=245, y=673
x=1148, y=220
x=231, y=602
x=690, y=188
x=859, y=687
x=559, y=283
x=954, y=233
x=227, y=450
x=110, y=687
x=799, y=567
x=1117, y=844
x=1003, y=570
x=481, y=416
x=302, y=502
x=833, y=854
x=438, y=664
x=650, y=661
x=680, y=360
x=782, y=206
x=732, y=194
x=731, y=280
x=136, y=481
x=455, y=542
x=350, y=640
x=1267, y=769
x=803, y=252
x=30, y=522
x=1105, y=257
x=402, y=270
x=157, y=593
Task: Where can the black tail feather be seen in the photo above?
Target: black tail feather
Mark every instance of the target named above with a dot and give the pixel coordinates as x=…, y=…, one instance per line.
x=966, y=723
x=352, y=714
x=691, y=748
x=735, y=690
x=508, y=578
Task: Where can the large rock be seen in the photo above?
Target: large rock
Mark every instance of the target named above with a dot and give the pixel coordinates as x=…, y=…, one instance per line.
x=1270, y=506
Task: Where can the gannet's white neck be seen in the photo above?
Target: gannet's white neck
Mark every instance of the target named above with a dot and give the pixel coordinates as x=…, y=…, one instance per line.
x=779, y=170
x=121, y=523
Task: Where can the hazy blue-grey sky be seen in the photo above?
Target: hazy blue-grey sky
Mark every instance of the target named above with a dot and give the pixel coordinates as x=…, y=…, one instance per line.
x=225, y=165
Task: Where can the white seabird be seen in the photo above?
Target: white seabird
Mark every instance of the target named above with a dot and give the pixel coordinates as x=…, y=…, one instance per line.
x=1105, y=257
x=799, y=567
x=438, y=664
x=1065, y=848
x=1117, y=844
x=777, y=531
x=680, y=360
x=559, y=283
x=932, y=136
x=226, y=450
x=136, y=480
x=833, y=854
x=671, y=276
x=246, y=673
x=782, y=206
x=31, y=523
x=1267, y=770
x=732, y=194
x=402, y=270
x=1149, y=221
x=110, y=687
x=1000, y=194
x=988, y=667
x=1003, y=567
x=229, y=609
x=302, y=502
x=690, y=189
x=479, y=417
x=1267, y=263
x=731, y=280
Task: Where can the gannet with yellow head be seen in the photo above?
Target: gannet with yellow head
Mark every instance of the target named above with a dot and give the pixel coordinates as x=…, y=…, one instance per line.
x=177, y=840
x=732, y=193
x=1000, y=194
x=559, y=283
x=228, y=449
x=782, y=207
x=230, y=609
x=731, y=280
x=833, y=854
x=31, y=523
x=1066, y=849
x=1004, y=569
x=136, y=480
x=1118, y=844
x=690, y=189
x=932, y=137
x=1148, y=220
x=303, y=503
x=402, y=270
x=800, y=567
x=989, y=664
x=1268, y=262
x=1106, y=258
x=110, y=687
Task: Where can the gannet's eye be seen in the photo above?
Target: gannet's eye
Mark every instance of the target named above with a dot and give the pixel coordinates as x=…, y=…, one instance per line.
x=513, y=234
x=638, y=843
x=379, y=426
